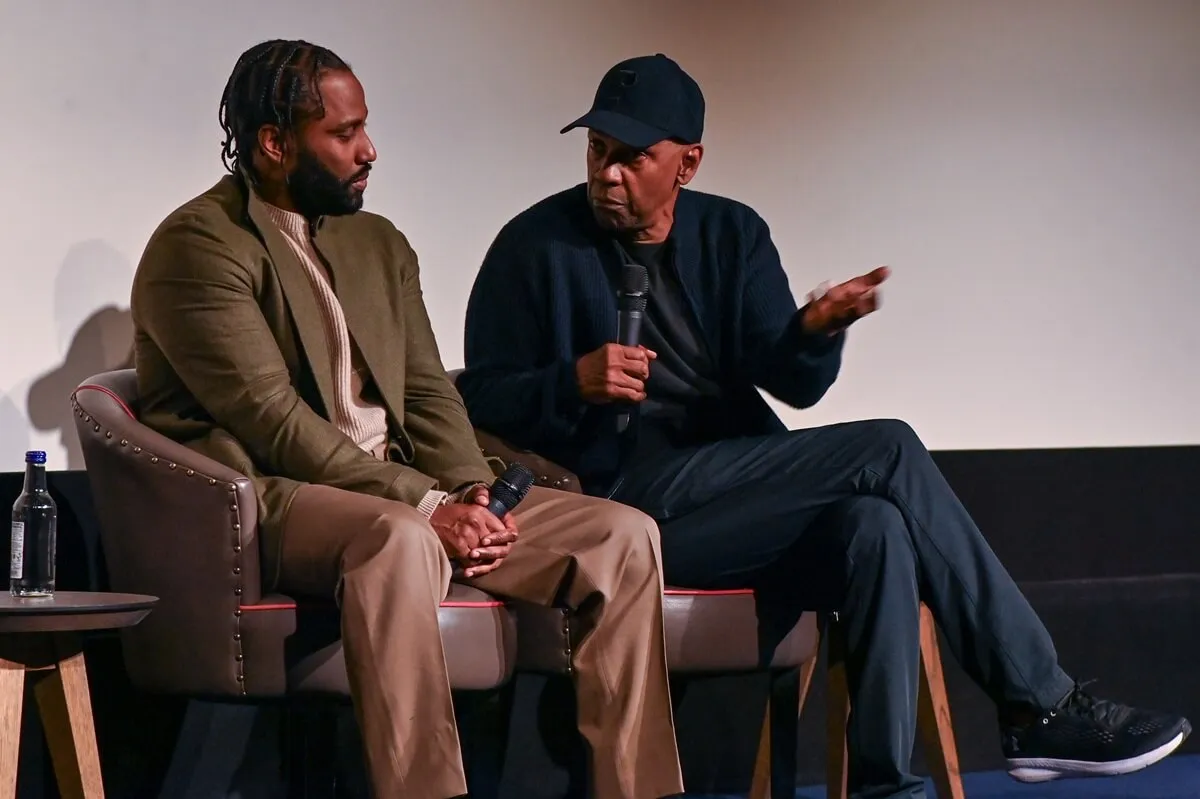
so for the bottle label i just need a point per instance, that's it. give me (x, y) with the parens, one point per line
(16, 564)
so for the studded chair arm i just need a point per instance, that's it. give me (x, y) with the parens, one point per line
(547, 472)
(175, 525)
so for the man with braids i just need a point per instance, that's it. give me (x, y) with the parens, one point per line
(281, 330)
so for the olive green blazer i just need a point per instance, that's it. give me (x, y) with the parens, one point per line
(231, 358)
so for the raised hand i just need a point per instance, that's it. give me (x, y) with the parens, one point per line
(845, 303)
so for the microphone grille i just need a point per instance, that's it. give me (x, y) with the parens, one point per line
(635, 279)
(513, 485)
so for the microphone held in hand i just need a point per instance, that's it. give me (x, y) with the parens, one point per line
(509, 489)
(631, 307)
(631, 304)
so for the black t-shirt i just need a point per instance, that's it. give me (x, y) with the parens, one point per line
(683, 379)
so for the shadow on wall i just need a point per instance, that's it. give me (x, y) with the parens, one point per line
(100, 339)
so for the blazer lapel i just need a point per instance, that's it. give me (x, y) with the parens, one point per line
(363, 295)
(300, 298)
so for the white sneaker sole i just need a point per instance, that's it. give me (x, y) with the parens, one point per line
(1045, 769)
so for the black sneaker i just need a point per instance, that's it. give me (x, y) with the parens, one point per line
(1087, 737)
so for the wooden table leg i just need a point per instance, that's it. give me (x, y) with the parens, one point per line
(66, 711)
(12, 694)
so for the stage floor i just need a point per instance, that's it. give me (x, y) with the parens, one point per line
(1175, 778)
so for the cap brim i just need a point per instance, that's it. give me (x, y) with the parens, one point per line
(624, 129)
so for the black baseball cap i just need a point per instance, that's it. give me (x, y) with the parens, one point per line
(643, 100)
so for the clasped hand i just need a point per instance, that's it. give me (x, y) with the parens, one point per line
(472, 535)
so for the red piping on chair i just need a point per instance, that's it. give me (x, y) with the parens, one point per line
(112, 394)
(494, 603)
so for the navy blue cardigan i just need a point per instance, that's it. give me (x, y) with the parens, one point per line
(546, 295)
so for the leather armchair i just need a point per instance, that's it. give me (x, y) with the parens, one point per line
(184, 528)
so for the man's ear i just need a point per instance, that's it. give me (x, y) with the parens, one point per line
(274, 146)
(690, 163)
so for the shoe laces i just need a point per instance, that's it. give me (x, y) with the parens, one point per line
(1081, 704)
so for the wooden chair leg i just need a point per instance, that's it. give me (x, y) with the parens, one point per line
(12, 695)
(760, 786)
(934, 722)
(933, 715)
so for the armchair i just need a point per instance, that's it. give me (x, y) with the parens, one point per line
(184, 528)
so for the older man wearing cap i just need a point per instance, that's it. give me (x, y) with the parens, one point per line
(851, 517)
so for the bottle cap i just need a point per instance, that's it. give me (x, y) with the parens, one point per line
(35, 456)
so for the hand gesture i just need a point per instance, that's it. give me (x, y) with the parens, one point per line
(845, 303)
(614, 373)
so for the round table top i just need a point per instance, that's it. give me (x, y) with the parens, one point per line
(67, 611)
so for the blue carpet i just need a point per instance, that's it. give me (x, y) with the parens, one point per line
(1176, 777)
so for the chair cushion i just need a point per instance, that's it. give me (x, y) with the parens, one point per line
(302, 640)
(706, 631)
(717, 631)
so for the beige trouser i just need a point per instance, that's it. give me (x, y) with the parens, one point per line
(600, 556)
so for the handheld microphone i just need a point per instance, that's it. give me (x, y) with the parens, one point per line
(631, 307)
(509, 489)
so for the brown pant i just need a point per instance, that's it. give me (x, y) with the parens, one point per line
(388, 568)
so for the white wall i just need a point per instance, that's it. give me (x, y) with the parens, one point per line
(1030, 170)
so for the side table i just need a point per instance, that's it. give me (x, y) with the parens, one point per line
(42, 639)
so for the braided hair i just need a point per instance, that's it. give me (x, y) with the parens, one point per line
(273, 83)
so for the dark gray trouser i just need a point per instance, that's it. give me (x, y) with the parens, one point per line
(857, 518)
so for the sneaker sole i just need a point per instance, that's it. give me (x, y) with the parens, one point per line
(1047, 769)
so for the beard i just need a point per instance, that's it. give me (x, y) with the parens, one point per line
(315, 191)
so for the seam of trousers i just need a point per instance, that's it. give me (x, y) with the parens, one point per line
(897, 497)
(397, 767)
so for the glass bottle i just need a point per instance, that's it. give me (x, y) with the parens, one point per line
(34, 533)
